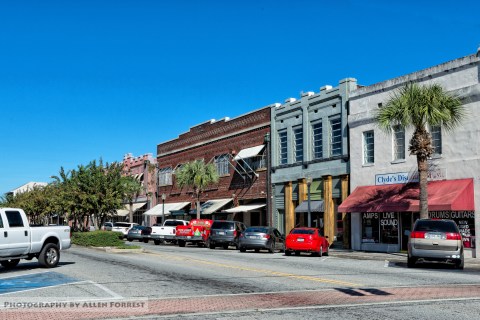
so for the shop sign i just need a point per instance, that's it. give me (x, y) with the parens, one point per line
(391, 178)
(405, 177)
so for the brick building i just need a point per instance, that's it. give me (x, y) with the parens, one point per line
(237, 149)
(142, 168)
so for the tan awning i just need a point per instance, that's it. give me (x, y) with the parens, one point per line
(245, 208)
(211, 206)
(161, 208)
(126, 209)
(249, 152)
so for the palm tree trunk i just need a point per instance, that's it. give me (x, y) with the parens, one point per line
(422, 177)
(130, 212)
(198, 208)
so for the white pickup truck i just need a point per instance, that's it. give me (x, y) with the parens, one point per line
(18, 240)
(167, 231)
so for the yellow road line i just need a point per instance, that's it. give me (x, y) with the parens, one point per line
(264, 271)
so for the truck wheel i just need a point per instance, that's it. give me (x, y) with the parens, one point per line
(288, 252)
(211, 245)
(9, 264)
(49, 256)
(242, 249)
(181, 243)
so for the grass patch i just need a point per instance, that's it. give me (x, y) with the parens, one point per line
(100, 239)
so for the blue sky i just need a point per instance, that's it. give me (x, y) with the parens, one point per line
(84, 80)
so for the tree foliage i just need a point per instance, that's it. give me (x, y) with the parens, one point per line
(94, 191)
(196, 175)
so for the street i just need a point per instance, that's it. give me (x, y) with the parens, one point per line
(170, 281)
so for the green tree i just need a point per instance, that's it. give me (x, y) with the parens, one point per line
(197, 175)
(131, 190)
(419, 107)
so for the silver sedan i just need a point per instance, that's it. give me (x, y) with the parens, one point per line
(259, 238)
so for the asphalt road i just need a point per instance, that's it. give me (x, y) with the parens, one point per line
(170, 282)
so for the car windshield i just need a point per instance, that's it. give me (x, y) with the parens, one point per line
(257, 229)
(226, 225)
(436, 226)
(138, 227)
(303, 231)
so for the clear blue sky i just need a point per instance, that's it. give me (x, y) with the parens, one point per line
(91, 79)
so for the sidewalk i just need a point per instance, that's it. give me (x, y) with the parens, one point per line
(396, 257)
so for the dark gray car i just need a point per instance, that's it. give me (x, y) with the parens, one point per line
(225, 233)
(258, 238)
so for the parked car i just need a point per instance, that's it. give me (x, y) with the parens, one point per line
(257, 238)
(107, 226)
(306, 240)
(123, 228)
(166, 232)
(139, 233)
(435, 240)
(225, 233)
(197, 232)
(20, 240)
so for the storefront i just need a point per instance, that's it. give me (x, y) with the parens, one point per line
(382, 216)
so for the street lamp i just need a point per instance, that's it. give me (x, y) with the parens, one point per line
(309, 216)
(164, 196)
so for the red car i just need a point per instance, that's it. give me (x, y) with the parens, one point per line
(306, 240)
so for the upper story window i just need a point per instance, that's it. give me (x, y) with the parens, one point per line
(317, 132)
(298, 144)
(335, 136)
(222, 163)
(368, 147)
(398, 143)
(165, 177)
(282, 147)
(256, 162)
(436, 133)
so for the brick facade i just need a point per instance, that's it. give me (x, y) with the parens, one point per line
(212, 139)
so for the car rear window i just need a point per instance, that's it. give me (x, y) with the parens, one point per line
(173, 223)
(225, 225)
(303, 231)
(121, 224)
(436, 226)
(253, 229)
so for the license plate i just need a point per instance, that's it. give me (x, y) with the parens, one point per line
(300, 240)
(161, 237)
(253, 237)
(433, 236)
(221, 233)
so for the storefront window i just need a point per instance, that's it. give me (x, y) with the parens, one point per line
(389, 227)
(370, 227)
(465, 221)
(380, 227)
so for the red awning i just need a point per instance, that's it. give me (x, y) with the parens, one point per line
(445, 195)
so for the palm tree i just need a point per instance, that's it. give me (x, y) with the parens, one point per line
(419, 107)
(132, 188)
(197, 175)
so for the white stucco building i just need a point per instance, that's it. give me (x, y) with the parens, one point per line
(382, 203)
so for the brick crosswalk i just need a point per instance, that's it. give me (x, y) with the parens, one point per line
(239, 302)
